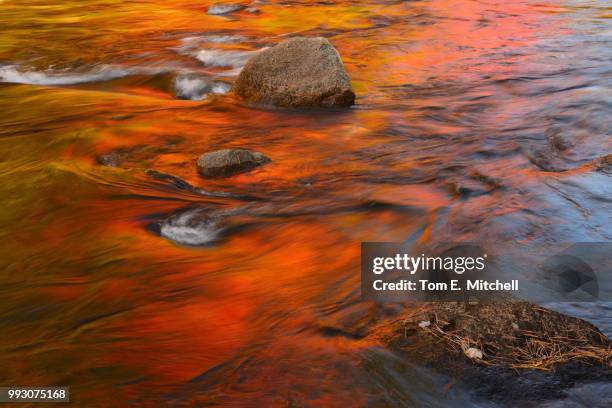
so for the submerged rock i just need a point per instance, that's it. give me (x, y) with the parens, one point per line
(299, 72)
(180, 184)
(560, 140)
(546, 160)
(116, 157)
(112, 159)
(227, 162)
(224, 8)
(195, 87)
(604, 164)
(174, 181)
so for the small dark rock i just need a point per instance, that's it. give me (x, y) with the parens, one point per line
(180, 184)
(175, 181)
(109, 159)
(227, 162)
(122, 117)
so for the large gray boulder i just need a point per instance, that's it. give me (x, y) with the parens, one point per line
(227, 162)
(299, 72)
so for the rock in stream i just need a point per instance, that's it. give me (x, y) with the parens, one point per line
(299, 72)
(227, 162)
(512, 352)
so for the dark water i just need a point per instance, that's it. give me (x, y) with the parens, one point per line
(479, 121)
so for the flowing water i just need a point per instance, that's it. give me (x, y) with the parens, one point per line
(475, 120)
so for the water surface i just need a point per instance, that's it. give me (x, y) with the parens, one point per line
(475, 121)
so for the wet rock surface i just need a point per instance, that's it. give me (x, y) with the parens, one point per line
(228, 162)
(560, 139)
(113, 159)
(299, 72)
(514, 353)
(546, 160)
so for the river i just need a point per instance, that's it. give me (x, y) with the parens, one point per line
(475, 121)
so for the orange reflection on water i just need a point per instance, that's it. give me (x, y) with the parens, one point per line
(268, 315)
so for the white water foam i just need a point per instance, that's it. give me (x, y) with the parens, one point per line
(190, 229)
(220, 9)
(227, 39)
(196, 88)
(14, 74)
(224, 59)
(186, 86)
(220, 88)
